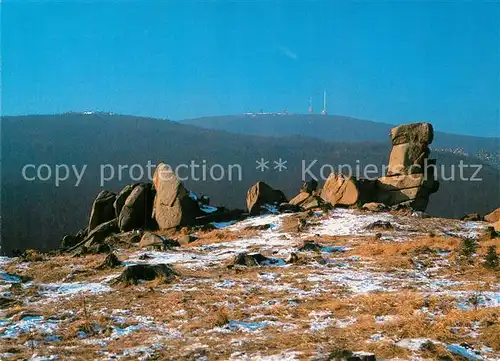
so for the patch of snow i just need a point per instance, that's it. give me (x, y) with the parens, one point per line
(385, 318)
(284, 356)
(321, 320)
(28, 324)
(464, 352)
(342, 323)
(225, 284)
(193, 196)
(268, 276)
(221, 225)
(187, 259)
(8, 278)
(54, 290)
(331, 249)
(259, 221)
(467, 300)
(208, 209)
(35, 357)
(414, 344)
(345, 222)
(242, 326)
(356, 281)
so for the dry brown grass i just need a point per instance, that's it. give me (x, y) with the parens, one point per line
(194, 307)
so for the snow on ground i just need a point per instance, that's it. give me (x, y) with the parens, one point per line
(347, 222)
(54, 290)
(284, 356)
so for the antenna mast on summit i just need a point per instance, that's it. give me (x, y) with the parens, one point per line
(323, 112)
(310, 106)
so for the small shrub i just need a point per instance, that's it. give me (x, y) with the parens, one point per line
(491, 260)
(468, 248)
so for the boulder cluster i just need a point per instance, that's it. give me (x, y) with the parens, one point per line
(166, 205)
(409, 180)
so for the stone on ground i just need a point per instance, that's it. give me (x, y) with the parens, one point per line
(260, 195)
(146, 272)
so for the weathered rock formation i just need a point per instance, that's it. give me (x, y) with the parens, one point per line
(137, 208)
(122, 197)
(410, 178)
(261, 197)
(173, 206)
(102, 209)
(308, 198)
(409, 181)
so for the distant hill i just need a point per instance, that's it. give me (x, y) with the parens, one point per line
(38, 213)
(332, 128)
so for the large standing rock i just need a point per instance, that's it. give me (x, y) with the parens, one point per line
(340, 190)
(412, 133)
(137, 209)
(261, 194)
(102, 209)
(408, 158)
(410, 179)
(493, 216)
(173, 207)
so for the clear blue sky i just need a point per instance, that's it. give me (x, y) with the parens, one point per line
(385, 61)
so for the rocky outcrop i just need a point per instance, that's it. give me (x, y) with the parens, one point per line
(493, 217)
(173, 207)
(137, 208)
(409, 179)
(261, 198)
(102, 209)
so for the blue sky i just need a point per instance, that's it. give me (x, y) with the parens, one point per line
(385, 61)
